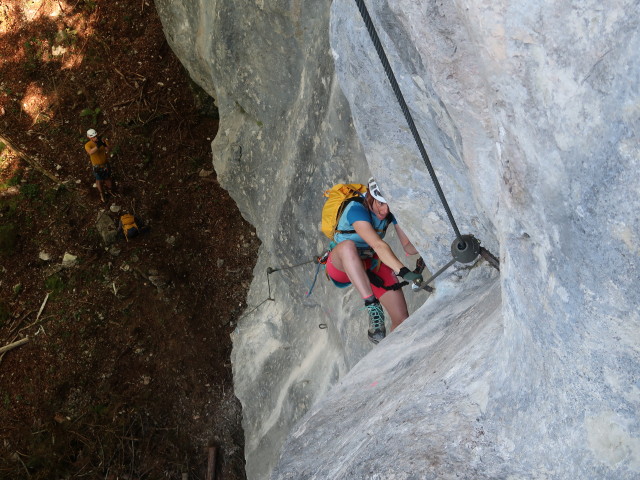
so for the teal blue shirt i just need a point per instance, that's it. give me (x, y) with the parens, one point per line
(354, 212)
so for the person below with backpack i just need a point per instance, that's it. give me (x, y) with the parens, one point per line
(97, 150)
(361, 257)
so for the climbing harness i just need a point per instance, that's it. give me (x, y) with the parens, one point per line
(465, 248)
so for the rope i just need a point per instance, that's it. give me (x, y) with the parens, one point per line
(270, 298)
(315, 277)
(405, 110)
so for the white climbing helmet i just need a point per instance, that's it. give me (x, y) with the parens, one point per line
(374, 190)
(92, 133)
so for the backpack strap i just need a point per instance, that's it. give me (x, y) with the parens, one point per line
(343, 207)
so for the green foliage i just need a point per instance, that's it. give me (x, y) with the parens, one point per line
(17, 289)
(12, 181)
(89, 5)
(67, 37)
(30, 190)
(8, 238)
(52, 195)
(2, 147)
(33, 55)
(15, 180)
(93, 113)
(55, 284)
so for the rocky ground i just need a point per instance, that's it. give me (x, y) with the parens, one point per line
(124, 371)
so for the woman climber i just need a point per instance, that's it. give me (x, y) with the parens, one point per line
(361, 257)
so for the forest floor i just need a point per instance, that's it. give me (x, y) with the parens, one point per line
(124, 369)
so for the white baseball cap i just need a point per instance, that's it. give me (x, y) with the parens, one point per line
(92, 133)
(374, 190)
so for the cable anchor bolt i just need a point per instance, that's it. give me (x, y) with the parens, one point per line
(465, 249)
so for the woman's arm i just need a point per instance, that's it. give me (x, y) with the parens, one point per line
(382, 249)
(406, 243)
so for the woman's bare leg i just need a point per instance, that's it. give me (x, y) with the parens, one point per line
(396, 305)
(345, 258)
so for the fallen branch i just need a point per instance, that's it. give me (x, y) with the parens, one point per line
(42, 306)
(32, 162)
(13, 345)
(125, 102)
(125, 81)
(17, 325)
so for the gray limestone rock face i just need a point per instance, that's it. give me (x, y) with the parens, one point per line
(530, 117)
(286, 136)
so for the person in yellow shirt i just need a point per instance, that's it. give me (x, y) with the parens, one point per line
(97, 150)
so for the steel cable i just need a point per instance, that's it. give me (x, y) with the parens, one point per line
(405, 110)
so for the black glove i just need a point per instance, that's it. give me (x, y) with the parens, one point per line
(410, 276)
(100, 143)
(420, 265)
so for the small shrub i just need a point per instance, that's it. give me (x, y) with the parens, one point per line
(11, 181)
(33, 59)
(93, 113)
(30, 190)
(53, 194)
(55, 284)
(89, 5)
(67, 37)
(15, 180)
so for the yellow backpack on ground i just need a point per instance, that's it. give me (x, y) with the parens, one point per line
(338, 197)
(129, 227)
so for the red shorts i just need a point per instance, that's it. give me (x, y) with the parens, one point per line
(373, 264)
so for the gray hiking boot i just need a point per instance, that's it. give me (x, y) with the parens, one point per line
(376, 322)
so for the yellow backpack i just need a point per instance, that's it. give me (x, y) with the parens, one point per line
(129, 226)
(338, 197)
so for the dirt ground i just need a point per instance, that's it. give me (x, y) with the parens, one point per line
(126, 371)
